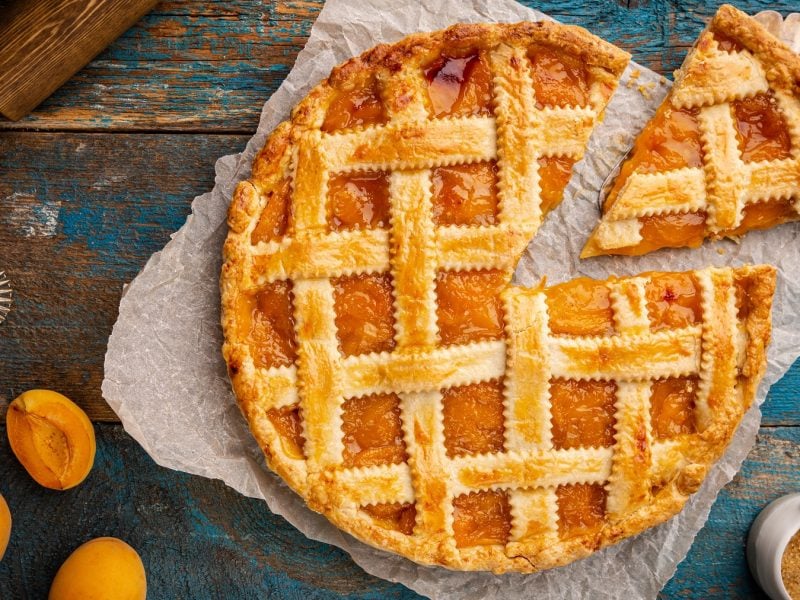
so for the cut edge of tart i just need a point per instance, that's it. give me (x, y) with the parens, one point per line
(721, 155)
(389, 373)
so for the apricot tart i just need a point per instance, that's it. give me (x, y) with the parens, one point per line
(721, 156)
(390, 374)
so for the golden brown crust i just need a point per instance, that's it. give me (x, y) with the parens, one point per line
(782, 66)
(525, 357)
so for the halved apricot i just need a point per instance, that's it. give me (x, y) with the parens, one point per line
(52, 438)
(5, 526)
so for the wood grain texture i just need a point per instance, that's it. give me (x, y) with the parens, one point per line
(199, 539)
(81, 214)
(45, 42)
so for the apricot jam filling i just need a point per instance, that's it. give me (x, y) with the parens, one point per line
(460, 86)
(764, 215)
(763, 135)
(465, 194)
(398, 517)
(469, 306)
(358, 200)
(558, 79)
(473, 418)
(761, 129)
(358, 107)
(581, 508)
(554, 174)
(363, 305)
(274, 219)
(673, 301)
(481, 518)
(727, 43)
(671, 140)
(289, 424)
(582, 413)
(672, 406)
(670, 231)
(580, 307)
(373, 434)
(267, 319)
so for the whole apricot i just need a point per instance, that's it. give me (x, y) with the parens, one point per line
(5, 526)
(101, 569)
(52, 438)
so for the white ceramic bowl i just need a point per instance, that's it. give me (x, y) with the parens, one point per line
(769, 535)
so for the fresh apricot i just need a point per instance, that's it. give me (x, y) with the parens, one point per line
(5, 526)
(101, 569)
(52, 438)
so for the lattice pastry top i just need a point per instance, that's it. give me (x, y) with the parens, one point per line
(389, 373)
(721, 156)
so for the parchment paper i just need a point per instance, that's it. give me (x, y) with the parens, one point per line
(165, 377)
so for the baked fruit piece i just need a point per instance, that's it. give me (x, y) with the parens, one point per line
(721, 156)
(389, 373)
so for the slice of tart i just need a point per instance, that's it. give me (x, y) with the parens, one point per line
(721, 156)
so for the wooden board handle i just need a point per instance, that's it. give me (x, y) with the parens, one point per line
(45, 42)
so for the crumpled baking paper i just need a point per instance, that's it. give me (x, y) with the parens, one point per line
(165, 377)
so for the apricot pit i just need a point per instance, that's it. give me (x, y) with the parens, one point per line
(52, 438)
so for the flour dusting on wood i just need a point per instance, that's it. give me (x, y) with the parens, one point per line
(109, 182)
(31, 216)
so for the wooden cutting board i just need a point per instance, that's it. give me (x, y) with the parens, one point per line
(45, 42)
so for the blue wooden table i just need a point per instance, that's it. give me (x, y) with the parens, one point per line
(95, 181)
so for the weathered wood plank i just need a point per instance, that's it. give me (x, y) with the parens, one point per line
(199, 539)
(81, 215)
(782, 406)
(212, 65)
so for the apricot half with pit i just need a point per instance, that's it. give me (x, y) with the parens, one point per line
(5, 526)
(101, 569)
(52, 438)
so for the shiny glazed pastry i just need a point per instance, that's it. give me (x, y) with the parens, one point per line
(391, 375)
(721, 156)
